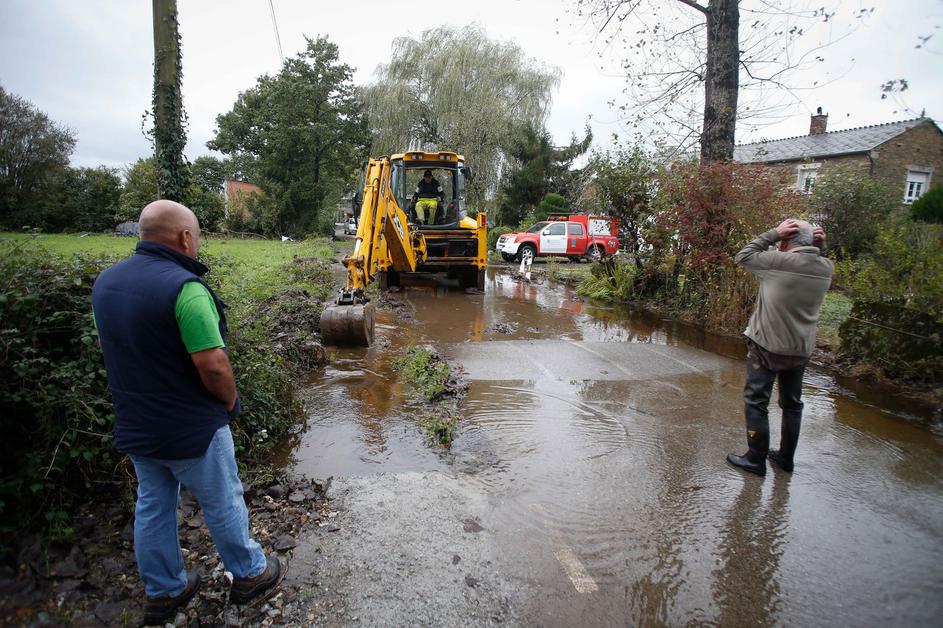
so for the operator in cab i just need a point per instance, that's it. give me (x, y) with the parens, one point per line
(429, 194)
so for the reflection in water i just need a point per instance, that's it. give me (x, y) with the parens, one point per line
(628, 467)
(746, 588)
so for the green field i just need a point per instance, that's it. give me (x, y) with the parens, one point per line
(264, 252)
(253, 269)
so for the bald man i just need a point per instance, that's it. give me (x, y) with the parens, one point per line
(163, 336)
(781, 335)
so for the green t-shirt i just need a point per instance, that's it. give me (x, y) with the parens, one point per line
(197, 318)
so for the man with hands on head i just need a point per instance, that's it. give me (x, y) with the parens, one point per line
(162, 331)
(781, 334)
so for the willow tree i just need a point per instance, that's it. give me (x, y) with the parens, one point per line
(456, 89)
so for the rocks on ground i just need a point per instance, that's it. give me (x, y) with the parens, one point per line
(94, 581)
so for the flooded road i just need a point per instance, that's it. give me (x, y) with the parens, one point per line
(587, 482)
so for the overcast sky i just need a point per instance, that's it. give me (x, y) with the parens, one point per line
(88, 63)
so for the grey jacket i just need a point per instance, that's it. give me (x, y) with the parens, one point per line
(792, 287)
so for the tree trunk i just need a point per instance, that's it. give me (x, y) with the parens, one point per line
(169, 134)
(721, 80)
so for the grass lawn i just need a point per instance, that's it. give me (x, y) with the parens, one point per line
(835, 310)
(252, 269)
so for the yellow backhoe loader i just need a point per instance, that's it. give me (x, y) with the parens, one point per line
(399, 233)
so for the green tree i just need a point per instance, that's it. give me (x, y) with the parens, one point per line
(539, 168)
(457, 89)
(303, 132)
(624, 184)
(207, 205)
(210, 173)
(34, 153)
(551, 203)
(851, 206)
(140, 188)
(205, 192)
(91, 198)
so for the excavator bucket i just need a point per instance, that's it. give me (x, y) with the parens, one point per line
(348, 325)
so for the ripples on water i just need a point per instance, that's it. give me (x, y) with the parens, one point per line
(630, 474)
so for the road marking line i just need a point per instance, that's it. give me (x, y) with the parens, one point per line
(606, 360)
(575, 571)
(674, 359)
(581, 580)
(543, 369)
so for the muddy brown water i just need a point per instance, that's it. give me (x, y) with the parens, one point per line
(598, 435)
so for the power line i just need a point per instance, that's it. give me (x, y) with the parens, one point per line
(278, 39)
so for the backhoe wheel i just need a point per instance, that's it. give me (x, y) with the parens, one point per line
(481, 279)
(527, 252)
(348, 325)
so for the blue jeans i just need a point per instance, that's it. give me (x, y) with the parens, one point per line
(213, 479)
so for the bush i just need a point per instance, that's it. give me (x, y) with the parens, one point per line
(495, 233)
(55, 407)
(423, 370)
(929, 207)
(851, 207)
(551, 204)
(905, 343)
(905, 269)
(610, 281)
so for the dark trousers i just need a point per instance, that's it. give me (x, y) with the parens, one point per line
(756, 395)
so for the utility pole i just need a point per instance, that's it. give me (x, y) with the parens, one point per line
(170, 136)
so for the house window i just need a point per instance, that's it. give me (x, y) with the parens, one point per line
(916, 185)
(807, 175)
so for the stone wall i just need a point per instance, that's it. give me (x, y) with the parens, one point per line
(920, 147)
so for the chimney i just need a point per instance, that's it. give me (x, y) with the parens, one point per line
(819, 123)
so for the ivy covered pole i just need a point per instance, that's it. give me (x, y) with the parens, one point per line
(169, 134)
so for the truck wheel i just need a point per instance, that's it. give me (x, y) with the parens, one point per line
(528, 251)
(507, 257)
(595, 253)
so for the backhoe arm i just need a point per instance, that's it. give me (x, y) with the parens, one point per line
(383, 227)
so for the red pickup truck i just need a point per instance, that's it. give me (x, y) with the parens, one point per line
(573, 236)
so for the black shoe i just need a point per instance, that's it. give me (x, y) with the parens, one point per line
(744, 462)
(245, 590)
(777, 458)
(157, 610)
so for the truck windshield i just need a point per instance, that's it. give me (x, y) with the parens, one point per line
(538, 227)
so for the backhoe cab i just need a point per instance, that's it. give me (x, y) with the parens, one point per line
(407, 224)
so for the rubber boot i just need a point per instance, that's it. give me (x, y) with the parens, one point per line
(754, 460)
(783, 457)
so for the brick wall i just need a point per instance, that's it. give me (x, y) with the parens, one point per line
(238, 197)
(921, 146)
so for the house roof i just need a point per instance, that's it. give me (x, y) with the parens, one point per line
(858, 140)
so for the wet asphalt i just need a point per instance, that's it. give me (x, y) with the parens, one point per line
(587, 482)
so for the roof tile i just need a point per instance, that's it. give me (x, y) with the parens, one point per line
(858, 140)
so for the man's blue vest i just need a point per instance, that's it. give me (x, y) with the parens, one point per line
(162, 408)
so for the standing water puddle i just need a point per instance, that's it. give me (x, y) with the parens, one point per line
(599, 437)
